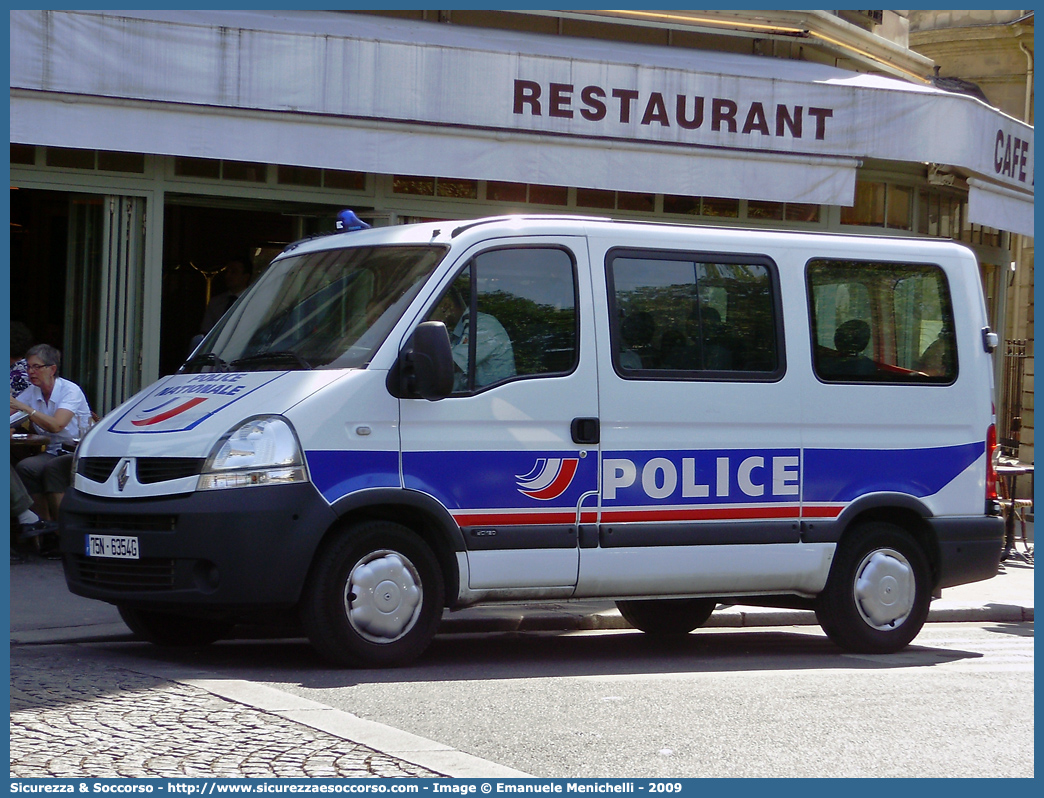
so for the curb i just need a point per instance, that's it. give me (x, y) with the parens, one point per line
(732, 618)
(536, 620)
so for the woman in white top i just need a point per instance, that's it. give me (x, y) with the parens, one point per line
(58, 409)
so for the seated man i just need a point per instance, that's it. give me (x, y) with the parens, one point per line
(494, 356)
(850, 340)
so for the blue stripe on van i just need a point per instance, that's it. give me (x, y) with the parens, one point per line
(482, 480)
(842, 475)
(337, 474)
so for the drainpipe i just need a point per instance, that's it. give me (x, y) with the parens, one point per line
(1020, 242)
(1029, 81)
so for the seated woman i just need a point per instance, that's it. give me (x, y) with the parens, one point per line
(56, 408)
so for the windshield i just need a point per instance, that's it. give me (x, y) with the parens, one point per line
(329, 309)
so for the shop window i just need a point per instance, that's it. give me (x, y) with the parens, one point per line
(23, 154)
(417, 186)
(121, 162)
(924, 203)
(457, 189)
(344, 181)
(244, 171)
(869, 208)
(549, 195)
(689, 206)
(800, 212)
(679, 317)
(595, 198)
(70, 159)
(197, 167)
(881, 322)
(505, 192)
(756, 209)
(299, 176)
(900, 207)
(720, 207)
(627, 201)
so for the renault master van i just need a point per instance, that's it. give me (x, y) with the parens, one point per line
(395, 422)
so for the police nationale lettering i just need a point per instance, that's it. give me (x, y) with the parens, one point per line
(207, 384)
(688, 112)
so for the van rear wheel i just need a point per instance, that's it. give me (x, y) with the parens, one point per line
(877, 595)
(172, 630)
(667, 616)
(374, 598)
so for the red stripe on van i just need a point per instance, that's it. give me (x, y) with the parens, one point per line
(701, 514)
(514, 519)
(823, 512)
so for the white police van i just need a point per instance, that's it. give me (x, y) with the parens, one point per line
(395, 421)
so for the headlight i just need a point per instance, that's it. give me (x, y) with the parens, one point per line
(260, 451)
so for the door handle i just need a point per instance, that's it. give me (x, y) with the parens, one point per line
(585, 430)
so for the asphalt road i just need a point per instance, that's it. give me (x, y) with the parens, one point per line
(779, 702)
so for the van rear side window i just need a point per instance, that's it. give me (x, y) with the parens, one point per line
(881, 322)
(693, 316)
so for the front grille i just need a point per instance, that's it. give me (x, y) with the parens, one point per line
(132, 523)
(162, 469)
(146, 574)
(96, 469)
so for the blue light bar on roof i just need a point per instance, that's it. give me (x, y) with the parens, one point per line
(347, 221)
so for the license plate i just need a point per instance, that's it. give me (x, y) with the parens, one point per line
(112, 546)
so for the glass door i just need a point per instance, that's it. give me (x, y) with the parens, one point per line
(105, 284)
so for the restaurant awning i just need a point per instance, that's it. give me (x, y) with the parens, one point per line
(347, 91)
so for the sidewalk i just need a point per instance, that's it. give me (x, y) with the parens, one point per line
(44, 611)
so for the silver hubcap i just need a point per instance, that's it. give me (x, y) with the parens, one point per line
(383, 596)
(885, 589)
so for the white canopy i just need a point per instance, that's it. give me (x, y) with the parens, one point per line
(346, 91)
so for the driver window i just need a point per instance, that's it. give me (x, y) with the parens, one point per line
(510, 313)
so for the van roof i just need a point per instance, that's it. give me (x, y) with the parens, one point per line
(448, 232)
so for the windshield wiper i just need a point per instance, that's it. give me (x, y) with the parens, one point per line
(282, 356)
(207, 359)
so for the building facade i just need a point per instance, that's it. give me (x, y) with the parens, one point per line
(993, 50)
(150, 148)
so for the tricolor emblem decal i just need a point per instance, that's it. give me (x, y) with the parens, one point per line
(549, 478)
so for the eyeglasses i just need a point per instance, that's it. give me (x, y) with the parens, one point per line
(38, 366)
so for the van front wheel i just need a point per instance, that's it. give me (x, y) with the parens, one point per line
(375, 597)
(876, 598)
(667, 616)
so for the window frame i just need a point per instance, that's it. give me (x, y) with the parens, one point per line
(875, 311)
(695, 257)
(469, 263)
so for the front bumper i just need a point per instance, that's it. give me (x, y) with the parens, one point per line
(244, 547)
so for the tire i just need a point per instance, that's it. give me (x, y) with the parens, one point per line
(171, 630)
(664, 617)
(374, 597)
(877, 595)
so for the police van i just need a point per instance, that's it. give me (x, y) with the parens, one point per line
(395, 422)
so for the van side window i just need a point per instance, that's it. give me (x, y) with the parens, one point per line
(693, 316)
(521, 303)
(881, 322)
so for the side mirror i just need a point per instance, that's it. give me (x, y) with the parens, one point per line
(990, 340)
(426, 363)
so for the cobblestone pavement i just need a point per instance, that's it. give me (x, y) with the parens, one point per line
(74, 718)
